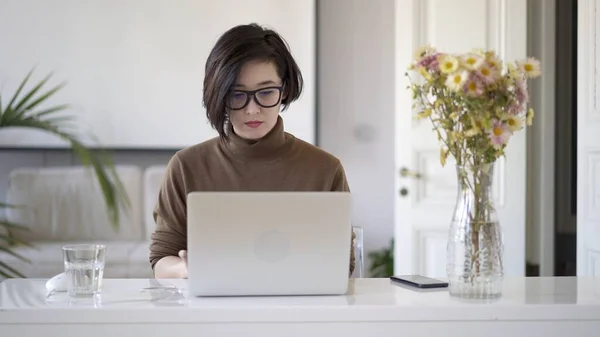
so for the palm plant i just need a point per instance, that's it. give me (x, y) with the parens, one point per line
(25, 111)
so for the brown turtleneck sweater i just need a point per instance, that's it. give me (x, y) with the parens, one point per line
(277, 162)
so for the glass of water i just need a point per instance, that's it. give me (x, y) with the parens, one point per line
(359, 260)
(84, 268)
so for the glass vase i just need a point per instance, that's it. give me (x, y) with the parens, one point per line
(475, 243)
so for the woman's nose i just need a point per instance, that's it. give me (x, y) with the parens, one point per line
(252, 107)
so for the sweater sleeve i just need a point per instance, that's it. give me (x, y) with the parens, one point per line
(340, 183)
(170, 234)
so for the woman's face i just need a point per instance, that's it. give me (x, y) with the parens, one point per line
(255, 104)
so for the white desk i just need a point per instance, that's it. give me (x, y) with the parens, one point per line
(374, 307)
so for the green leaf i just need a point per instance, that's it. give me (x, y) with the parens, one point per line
(15, 241)
(5, 205)
(12, 225)
(30, 94)
(40, 99)
(8, 271)
(16, 95)
(51, 111)
(107, 177)
(382, 261)
(11, 252)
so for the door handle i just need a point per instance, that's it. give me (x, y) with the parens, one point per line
(406, 173)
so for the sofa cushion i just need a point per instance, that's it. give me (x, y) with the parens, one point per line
(153, 179)
(66, 204)
(46, 260)
(139, 263)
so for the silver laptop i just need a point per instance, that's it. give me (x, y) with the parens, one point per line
(268, 243)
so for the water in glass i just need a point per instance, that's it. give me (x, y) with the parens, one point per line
(84, 267)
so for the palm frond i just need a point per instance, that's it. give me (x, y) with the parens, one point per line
(11, 252)
(7, 112)
(11, 225)
(25, 112)
(20, 112)
(112, 188)
(7, 271)
(5, 205)
(8, 241)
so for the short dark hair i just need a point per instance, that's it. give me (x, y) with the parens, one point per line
(232, 50)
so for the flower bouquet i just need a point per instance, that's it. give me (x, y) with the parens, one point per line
(476, 103)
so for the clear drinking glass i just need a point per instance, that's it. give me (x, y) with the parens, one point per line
(84, 268)
(359, 264)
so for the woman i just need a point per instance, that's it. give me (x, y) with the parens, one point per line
(250, 76)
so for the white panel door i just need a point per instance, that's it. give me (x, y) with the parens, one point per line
(426, 196)
(588, 139)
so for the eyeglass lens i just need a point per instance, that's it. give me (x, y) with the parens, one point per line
(267, 97)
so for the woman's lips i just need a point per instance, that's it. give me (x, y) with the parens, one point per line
(254, 124)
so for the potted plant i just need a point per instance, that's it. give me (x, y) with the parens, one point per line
(382, 261)
(23, 110)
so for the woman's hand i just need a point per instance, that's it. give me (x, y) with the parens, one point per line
(183, 256)
(172, 266)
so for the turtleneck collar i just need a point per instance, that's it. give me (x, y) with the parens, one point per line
(268, 147)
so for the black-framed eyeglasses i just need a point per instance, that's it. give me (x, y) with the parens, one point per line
(265, 97)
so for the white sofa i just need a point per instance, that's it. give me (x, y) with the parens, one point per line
(64, 205)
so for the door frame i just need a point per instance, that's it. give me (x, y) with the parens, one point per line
(541, 159)
(587, 109)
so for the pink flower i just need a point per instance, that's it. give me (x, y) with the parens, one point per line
(488, 75)
(521, 92)
(474, 86)
(499, 134)
(430, 62)
(521, 98)
(515, 108)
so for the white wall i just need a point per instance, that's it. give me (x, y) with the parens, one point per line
(356, 105)
(134, 68)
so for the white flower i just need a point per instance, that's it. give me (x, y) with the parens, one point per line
(472, 61)
(514, 123)
(456, 81)
(530, 67)
(448, 64)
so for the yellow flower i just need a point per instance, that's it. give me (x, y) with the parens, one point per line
(448, 64)
(530, 117)
(472, 132)
(425, 113)
(443, 156)
(530, 67)
(513, 71)
(425, 74)
(456, 81)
